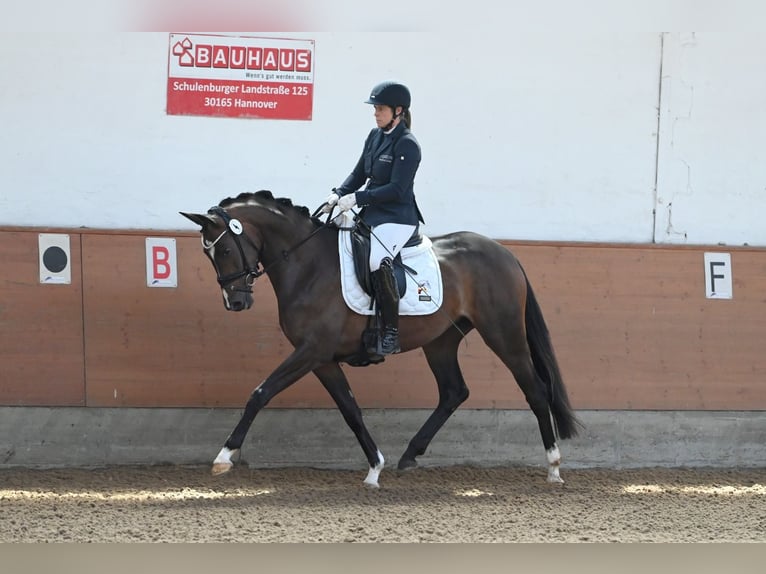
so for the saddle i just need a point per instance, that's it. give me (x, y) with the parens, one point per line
(424, 297)
(360, 249)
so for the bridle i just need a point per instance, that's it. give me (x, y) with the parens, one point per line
(249, 272)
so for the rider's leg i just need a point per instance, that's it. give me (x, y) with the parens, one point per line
(387, 302)
(386, 241)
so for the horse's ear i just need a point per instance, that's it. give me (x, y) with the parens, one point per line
(202, 220)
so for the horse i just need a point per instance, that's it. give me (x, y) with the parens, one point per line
(255, 233)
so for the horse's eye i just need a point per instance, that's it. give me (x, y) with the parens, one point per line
(226, 251)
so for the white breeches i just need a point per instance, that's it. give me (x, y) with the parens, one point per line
(387, 240)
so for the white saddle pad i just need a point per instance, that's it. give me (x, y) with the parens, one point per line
(424, 293)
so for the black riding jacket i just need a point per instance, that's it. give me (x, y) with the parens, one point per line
(388, 164)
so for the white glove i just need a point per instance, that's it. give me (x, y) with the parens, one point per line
(347, 202)
(331, 200)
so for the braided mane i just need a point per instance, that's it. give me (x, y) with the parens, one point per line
(284, 204)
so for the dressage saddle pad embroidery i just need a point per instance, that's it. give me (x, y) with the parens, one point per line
(427, 282)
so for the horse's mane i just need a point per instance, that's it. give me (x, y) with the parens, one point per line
(284, 204)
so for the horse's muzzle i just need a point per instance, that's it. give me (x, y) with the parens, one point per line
(239, 303)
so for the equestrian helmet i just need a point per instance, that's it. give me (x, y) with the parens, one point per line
(390, 94)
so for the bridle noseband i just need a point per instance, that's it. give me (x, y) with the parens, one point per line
(250, 273)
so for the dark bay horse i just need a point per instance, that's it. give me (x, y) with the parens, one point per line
(485, 288)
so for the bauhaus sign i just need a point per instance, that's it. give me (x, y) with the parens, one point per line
(244, 77)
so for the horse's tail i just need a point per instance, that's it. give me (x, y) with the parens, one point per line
(547, 367)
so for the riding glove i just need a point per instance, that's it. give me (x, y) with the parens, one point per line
(331, 200)
(347, 202)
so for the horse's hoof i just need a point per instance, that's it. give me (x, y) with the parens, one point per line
(371, 485)
(220, 468)
(407, 464)
(553, 475)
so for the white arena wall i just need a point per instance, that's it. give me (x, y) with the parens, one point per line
(619, 136)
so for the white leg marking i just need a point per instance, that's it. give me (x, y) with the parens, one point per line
(374, 473)
(222, 462)
(554, 461)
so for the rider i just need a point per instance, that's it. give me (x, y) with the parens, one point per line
(389, 161)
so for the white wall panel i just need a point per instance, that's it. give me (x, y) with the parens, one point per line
(525, 134)
(712, 168)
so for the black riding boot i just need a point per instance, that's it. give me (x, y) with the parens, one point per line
(387, 301)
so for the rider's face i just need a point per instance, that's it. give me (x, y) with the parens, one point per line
(383, 115)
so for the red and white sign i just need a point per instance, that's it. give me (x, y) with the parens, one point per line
(240, 77)
(161, 269)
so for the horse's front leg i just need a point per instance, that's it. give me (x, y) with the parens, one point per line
(334, 381)
(299, 363)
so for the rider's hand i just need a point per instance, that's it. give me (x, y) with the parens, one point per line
(331, 200)
(347, 202)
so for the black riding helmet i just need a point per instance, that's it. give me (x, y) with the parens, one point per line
(390, 94)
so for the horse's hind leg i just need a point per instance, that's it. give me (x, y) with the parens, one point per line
(334, 380)
(512, 348)
(441, 355)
